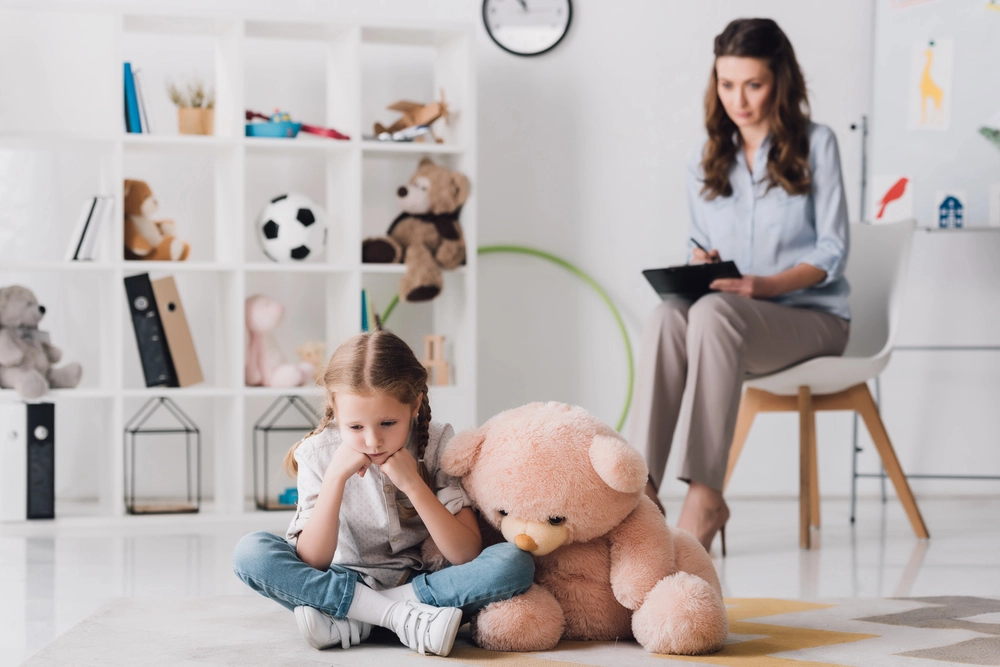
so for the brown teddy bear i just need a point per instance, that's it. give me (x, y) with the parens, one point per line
(146, 238)
(26, 356)
(426, 235)
(562, 485)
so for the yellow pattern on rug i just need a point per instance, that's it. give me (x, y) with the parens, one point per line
(780, 638)
(751, 653)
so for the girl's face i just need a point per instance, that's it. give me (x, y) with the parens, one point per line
(376, 424)
(745, 88)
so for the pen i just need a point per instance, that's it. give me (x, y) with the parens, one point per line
(704, 250)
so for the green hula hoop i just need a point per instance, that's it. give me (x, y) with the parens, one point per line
(523, 250)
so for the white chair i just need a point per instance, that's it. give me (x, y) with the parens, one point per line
(876, 269)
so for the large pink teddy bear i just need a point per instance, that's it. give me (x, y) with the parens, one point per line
(561, 484)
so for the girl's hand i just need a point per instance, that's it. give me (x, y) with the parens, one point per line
(401, 469)
(347, 462)
(752, 287)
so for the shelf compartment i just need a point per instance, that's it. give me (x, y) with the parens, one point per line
(190, 189)
(160, 458)
(329, 179)
(208, 300)
(203, 48)
(382, 175)
(416, 65)
(324, 59)
(39, 227)
(76, 318)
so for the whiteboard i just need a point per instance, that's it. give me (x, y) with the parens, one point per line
(954, 157)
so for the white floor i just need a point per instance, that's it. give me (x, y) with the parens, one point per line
(51, 577)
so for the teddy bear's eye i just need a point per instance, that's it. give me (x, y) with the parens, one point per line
(502, 512)
(556, 520)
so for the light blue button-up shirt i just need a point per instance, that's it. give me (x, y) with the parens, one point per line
(768, 231)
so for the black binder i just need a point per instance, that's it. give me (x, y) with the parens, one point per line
(41, 461)
(689, 281)
(154, 353)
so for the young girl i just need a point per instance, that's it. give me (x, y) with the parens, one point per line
(370, 494)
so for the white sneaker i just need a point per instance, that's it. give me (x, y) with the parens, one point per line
(428, 629)
(323, 631)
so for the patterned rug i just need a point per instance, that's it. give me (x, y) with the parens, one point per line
(242, 631)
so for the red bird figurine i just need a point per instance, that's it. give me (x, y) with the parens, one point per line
(892, 194)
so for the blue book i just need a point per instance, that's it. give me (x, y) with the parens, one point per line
(364, 310)
(132, 121)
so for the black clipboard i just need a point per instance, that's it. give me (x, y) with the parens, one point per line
(689, 281)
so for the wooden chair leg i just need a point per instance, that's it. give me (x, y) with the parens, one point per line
(805, 468)
(866, 407)
(749, 406)
(813, 471)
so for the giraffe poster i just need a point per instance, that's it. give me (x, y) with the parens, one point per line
(930, 84)
(893, 198)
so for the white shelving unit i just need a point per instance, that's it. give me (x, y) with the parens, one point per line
(352, 69)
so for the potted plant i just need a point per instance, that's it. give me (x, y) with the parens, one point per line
(195, 107)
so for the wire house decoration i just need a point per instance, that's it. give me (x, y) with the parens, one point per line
(192, 436)
(262, 429)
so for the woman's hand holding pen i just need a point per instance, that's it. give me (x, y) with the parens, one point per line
(700, 256)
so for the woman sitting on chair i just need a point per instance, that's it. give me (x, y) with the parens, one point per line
(764, 190)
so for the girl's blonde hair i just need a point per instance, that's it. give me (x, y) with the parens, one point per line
(376, 362)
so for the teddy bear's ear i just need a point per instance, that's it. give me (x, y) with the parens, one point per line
(620, 466)
(461, 452)
(424, 161)
(460, 187)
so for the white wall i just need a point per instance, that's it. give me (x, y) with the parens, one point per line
(582, 153)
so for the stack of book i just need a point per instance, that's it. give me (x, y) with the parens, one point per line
(136, 120)
(94, 216)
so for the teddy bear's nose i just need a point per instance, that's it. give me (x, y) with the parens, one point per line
(525, 542)
(402, 191)
(41, 309)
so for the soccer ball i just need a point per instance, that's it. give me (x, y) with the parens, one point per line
(292, 228)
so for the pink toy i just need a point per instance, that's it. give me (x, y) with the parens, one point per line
(265, 365)
(561, 484)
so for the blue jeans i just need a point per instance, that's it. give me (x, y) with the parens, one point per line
(269, 565)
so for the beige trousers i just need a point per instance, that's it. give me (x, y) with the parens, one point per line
(703, 351)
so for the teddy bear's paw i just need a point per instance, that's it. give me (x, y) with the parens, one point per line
(286, 375)
(532, 621)
(682, 615)
(179, 250)
(380, 251)
(31, 385)
(66, 377)
(423, 293)
(450, 255)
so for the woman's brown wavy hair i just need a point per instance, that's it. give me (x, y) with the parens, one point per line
(377, 362)
(788, 116)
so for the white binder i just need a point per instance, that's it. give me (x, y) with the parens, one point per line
(13, 461)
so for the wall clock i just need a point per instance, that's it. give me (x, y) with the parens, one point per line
(527, 27)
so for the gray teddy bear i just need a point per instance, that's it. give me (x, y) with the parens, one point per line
(26, 356)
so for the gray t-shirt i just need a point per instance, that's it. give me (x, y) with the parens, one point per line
(374, 540)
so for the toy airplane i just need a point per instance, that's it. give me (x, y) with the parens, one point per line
(414, 115)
